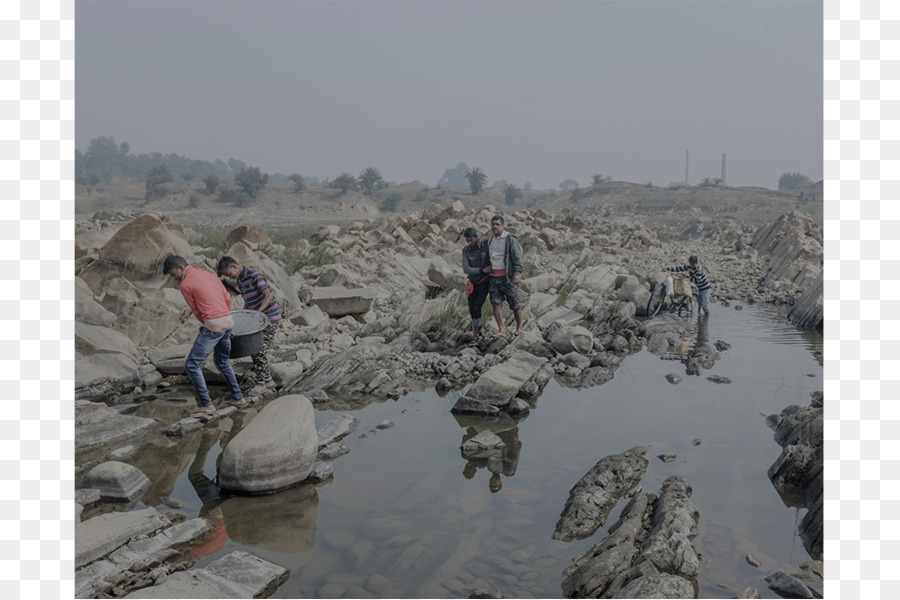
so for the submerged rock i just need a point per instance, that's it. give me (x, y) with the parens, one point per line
(594, 496)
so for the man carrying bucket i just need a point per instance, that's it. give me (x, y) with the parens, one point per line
(211, 304)
(257, 296)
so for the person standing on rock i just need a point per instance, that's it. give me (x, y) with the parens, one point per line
(698, 277)
(506, 272)
(257, 295)
(210, 302)
(474, 260)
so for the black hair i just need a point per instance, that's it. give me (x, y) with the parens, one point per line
(224, 263)
(693, 260)
(497, 218)
(173, 261)
(470, 233)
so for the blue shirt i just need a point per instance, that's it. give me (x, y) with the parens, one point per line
(251, 284)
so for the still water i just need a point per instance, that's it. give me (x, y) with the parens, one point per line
(407, 516)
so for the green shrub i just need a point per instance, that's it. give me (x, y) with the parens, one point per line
(194, 201)
(391, 201)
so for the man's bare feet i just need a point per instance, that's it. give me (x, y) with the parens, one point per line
(500, 334)
(518, 332)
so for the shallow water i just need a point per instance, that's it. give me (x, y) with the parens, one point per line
(407, 516)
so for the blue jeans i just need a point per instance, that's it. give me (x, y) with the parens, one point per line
(704, 300)
(218, 344)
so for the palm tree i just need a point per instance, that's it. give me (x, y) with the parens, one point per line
(370, 180)
(344, 182)
(598, 178)
(477, 179)
(511, 192)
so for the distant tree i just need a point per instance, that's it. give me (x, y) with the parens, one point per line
(236, 165)
(344, 182)
(251, 181)
(211, 182)
(527, 187)
(568, 184)
(477, 179)
(710, 182)
(454, 178)
(391, 201)
(188, 176)
(792, 181)
(155, 179)
(500, 184)
(369, 180)
(299, 184)
(194, 201)
(598, 178)
(421, 195)
(511, 193)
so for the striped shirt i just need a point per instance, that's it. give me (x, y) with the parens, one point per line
(251, 285)
(698, 276)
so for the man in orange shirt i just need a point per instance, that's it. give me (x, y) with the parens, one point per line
(211, 304)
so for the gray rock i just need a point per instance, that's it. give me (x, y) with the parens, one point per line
(236, 575)
(332, 451)
(320, 472)
(276, 450)
(749, 592)
(447, 276)
(674, 378)
(787, 586)
(86, 496)
(657, 585)
(502, 382)
(340, 301)
(718, 379)
(336, 429)
(309, 317)
(667, 458)
(753, 561)
(385, 425)
(482, 444)
(573, 339)
(116, 481)
(575, 359)
(101, 535)
(594, 496)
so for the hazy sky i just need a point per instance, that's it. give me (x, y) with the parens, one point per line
(531, 92)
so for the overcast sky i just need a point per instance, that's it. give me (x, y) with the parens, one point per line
(531, 92)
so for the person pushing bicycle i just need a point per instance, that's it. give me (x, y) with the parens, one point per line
(698, 277)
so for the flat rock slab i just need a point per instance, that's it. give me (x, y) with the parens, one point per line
(482, 444)
(237, 575)
(338, 301)
(96, 369)
(336, 429)
(500, 384)
(97, 537)
(97, 424)
(116, 481)
(594, 495)
(276, 450)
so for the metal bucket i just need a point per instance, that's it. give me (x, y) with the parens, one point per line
(247, 335)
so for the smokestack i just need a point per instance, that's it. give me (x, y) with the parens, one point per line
(686, 156)
(723, 169)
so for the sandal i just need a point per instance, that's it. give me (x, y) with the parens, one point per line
(257, 390)
(241, 403)
(203, 411)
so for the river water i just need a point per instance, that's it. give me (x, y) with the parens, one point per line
(407, 516)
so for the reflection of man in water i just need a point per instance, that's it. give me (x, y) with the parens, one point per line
(703, 356)
(208, 492)
(502, 463)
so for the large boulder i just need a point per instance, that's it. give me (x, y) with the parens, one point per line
(97, 424)
(250, 235)
(139, 248)
(275, 451)
(573, 339)
(87, 309)
(445, 275)
(101, 535)
(94, 339)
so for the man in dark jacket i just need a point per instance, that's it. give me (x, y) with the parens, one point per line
(506, 272)
(474, 260)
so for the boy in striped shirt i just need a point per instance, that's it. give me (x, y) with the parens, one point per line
(257, 296)
(698, 277)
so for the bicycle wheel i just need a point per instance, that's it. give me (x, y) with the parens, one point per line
(656, 299)
(677, 305)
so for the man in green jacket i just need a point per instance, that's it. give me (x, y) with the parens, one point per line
(506, 272)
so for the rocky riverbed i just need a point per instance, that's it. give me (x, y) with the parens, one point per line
(375, 310)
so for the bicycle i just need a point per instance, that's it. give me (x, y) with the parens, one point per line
(678, 291)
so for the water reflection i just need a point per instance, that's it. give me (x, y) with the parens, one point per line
(283, 522)
(703, 355)
(501, 462)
